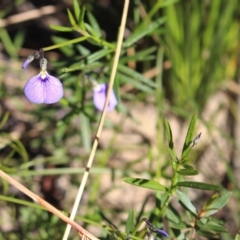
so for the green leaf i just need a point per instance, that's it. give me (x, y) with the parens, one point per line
(142, 31)
(137, 76)
(98, 55)
(179, 226)
(237, 237)
(76, 9)
(127, 79)
(85, 132)
(208, 235)
(91, 30)
(221, 201)
(186, 202)
(142, 55)
(211, 226)
(169, 134)
(173, 216)
(189, 137)
(130, 222)
(61, 28)
(4, 119)
(214, 204)
(19, 38)
(145, 183)
(81, 19)
(94, 24)
(187, 161)
(71, 18)
(187, 172)
(199, 185)
(172, 154)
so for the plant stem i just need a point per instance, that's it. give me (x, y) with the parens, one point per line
(73, 41)
(100, 126)
(171, 190)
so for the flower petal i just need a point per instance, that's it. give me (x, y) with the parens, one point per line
(161, 232)
(53, 90)
(34, 90)
(99, 97)
(47, 89)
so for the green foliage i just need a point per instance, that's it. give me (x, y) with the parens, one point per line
(189, 48)
(198, 36)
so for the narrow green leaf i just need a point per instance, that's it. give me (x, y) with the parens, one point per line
(189, 167)
(71, 18)
(85, 132)
(187, 172)
(189, 137)
(208, 235)
(127, 79)
(237, 237)
(172, 154)
(179, 226)
(211, 226)
(145, 183)
(91, 30)
(221, 201)
(142, 31)
(130, 222)
(61, 28)
(76, 9)
(98, 55)
(81, 19)
(4, 119)
(185, 201)
(214, 204)
(173, 216)
(169, 133)
(136, 75)
(199, 185)
(94, 24)
(140, 55)
(187, 161)
(19, 38)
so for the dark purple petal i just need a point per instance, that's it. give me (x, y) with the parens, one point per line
(99, 97)
(43, 88)
(161, 232)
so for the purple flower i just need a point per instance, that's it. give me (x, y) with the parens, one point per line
(43, 88)
(99, 97)
(28, 60)
(31, 58)
(161, 232)
(152, 228)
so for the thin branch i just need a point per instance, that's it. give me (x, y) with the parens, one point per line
(29, 15)
(46, 205)
(100, 126)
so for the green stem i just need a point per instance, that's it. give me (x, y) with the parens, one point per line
(73, 41)
(171, 191)
(80, 39)
(95, 39)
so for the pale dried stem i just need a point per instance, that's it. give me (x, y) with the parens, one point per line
(100, 126)
(29, 15)
(46, 205)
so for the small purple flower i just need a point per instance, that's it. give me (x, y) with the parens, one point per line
(28, 60)
(161, 232)
(99, 97)
(43, 88)
(152, 228)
